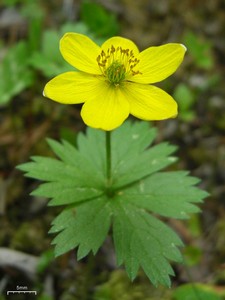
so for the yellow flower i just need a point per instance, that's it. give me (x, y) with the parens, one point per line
(114, 80)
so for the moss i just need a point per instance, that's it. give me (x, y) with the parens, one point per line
(29, 238)
(120, 287)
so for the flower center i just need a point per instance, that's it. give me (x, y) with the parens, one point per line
(117, 64)
(116, 72)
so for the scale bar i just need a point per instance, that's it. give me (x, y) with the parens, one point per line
(21, 292)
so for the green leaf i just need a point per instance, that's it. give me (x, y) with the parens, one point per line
(63, 193)
(14, 72)
(196, 292)
(45, 260)
(170, 194)
(138, 138)
(49, 60)
(74, 168)
(85, 227)
(136, 167)
(100, 21)
(132, 160)
(71, 180)
(138, 194)
(141, 240)
(185, 98)
(200, 50)
(92, 146)
(34, 13)
(10, 2)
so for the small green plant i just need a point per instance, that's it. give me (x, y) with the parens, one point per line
(139, 192)
(48, 59)
(196, 292)
(11, 2)
(34, 14)
(186, 99)
(200, 50)
(98, 19)
(113, 178)
(14, 72)
(41, 51)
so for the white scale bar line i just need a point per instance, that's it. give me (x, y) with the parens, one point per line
(18, 292)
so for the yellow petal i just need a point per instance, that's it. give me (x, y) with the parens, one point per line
(148, 102)
(72, 87)
(106, 109)
(157, 63)
(118, 41)
(81, 52)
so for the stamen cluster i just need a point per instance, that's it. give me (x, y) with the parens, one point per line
(117, 64)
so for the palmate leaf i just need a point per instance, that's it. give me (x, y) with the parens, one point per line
(139, 192)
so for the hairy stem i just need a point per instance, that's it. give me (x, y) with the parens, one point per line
(108, 157)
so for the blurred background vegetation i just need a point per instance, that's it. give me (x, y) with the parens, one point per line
(29, 56)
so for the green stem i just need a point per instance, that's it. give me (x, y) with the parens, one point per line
(108, 157)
